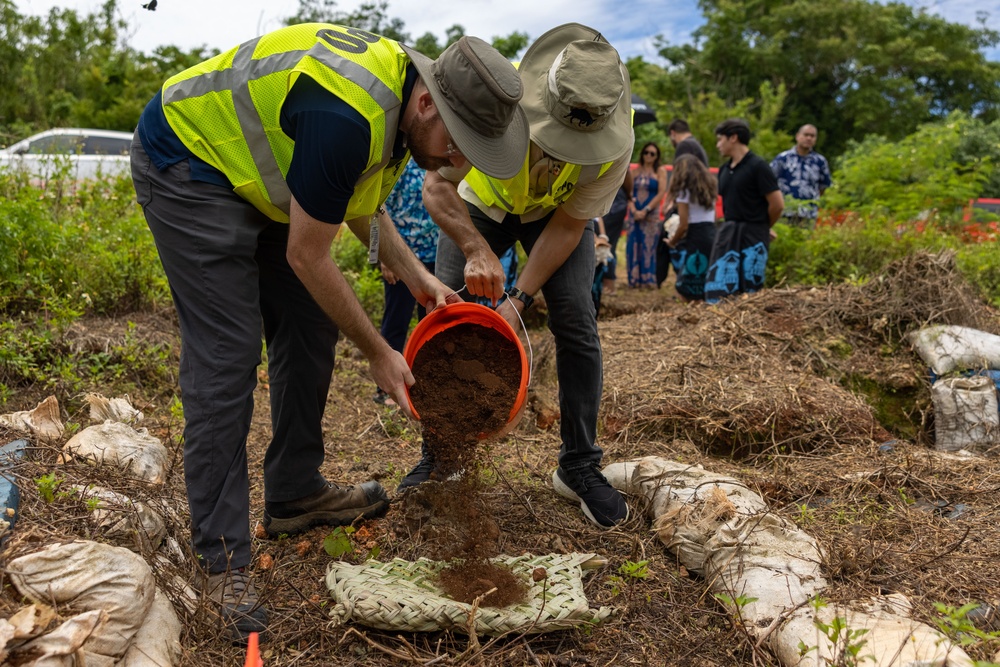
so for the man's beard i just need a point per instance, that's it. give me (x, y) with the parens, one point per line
(417, 141)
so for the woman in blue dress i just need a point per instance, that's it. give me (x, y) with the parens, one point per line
(649, 187)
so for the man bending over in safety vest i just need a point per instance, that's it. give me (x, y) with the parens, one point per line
(245, 165)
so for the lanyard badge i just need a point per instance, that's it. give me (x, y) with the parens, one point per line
(373, 235)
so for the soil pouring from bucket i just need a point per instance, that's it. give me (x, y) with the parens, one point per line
(467, 381)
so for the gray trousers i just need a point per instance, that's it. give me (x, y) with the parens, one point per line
(572, 320)
(225, 262)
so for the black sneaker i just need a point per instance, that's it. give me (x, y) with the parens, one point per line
(237, 601)
(602, 503)
(331, 506)
(420, 473)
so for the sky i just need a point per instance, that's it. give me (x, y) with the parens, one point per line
(630, 26)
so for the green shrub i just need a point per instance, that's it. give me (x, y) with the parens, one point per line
(75, 250)
(855, 250)
(903, 179)
(980, 264)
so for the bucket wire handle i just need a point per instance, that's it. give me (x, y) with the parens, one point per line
(531, 353)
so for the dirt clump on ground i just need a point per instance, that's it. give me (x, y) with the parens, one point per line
(497, 585)
(467, 381)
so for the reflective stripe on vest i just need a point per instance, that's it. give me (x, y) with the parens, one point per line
(514, 196)
(271, 194)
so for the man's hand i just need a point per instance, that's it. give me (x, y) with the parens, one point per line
(509, 309)
(431, 293)
(387, 273)
(484, 275)
(390, 372)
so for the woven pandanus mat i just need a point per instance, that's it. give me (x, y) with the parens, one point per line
(403, 595)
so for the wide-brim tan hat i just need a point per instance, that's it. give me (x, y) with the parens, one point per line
(577, 96)
(476, 90)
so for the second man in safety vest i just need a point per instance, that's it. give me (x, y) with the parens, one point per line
(577, 100)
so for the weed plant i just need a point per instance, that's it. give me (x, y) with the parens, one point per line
(71, 249)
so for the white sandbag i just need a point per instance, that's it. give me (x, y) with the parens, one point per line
(26, 624)
(115, 409)
(158, 642)
(946, 348)
(88, 575)
(43, 422)
(119, 515)
(892, 637)
(720, 529)
(63, 646)
(135, 452)
(965, 414)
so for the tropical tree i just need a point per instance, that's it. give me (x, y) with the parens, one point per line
(71, 69)
(851, 67)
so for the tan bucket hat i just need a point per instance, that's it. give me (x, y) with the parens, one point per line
(476, 90)
(577, 96)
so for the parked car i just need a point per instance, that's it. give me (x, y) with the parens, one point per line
(87, 152)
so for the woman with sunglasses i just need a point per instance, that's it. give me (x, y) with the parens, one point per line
(649, 187)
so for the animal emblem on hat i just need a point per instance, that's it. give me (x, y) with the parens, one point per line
(580, 116)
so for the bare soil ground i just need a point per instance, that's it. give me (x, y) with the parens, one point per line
(806, 395)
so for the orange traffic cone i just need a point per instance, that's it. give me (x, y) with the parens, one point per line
(253, 652)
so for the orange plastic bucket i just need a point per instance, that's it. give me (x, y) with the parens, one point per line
(453, 314)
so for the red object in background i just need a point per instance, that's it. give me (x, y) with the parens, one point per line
(981, 232)
(253, 652)
(986, 204)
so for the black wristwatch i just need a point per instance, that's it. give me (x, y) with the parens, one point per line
(521, 296)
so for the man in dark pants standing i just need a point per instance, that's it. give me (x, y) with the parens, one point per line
(751, 203)
(581, 142)
(245, 166)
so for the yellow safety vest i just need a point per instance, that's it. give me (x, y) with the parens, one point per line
(515, 195)
(226, 109)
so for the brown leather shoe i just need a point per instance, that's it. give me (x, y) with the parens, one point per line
(236, 597)
(331, 506)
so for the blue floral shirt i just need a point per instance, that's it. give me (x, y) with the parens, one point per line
(405, 206)
(801, 177)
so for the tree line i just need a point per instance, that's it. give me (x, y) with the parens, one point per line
(853, 68)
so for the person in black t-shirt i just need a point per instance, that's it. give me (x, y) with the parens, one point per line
(751, 203)
(684, 142)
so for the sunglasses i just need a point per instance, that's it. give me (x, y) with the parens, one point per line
(653, 153)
